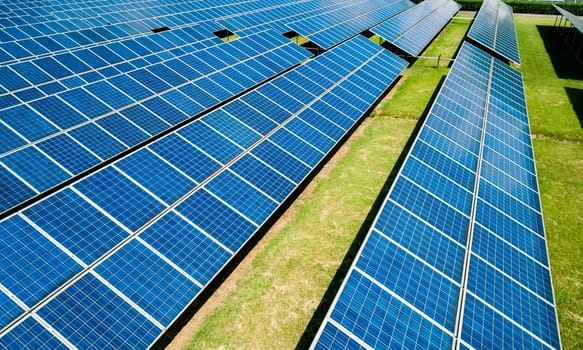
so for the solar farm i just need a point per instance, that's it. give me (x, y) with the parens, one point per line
(146, 147)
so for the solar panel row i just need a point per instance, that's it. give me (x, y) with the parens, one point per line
(412, 30)
(113, 259)
(457, 254)
(71, 131)
(329, 28)
(493, 28)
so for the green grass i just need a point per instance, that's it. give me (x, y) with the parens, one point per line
(558, 147)
(559, 167)
(276, 298)
(550, 109)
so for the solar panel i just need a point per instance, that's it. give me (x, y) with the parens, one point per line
(576, 21)
(114, 258)
(457, 254)
(413, 29)
(37, 29)
(493, 28)
(74, 130)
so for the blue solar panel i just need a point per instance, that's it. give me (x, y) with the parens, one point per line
(97, 140)
(121, 197)
(34, 167)
(123, 129)
(155, 285)
(378, 318)
(230, 127)
(493, 28)
(242, 196)
(77, 225)
(217, 219)
(427, 243)
(416, 282)
(27, 123)
(156, 175)
(459, 240)
(263, 176)
(69, 153)
(413, 29)
(88, 302)
(297, 147)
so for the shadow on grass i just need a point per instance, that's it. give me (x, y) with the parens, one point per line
(564, 62)
(576, 98)
(320, 313)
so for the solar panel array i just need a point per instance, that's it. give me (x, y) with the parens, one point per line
(493, 28)
(139, 153)
(413, 29)
(112, 259)
(457, 255)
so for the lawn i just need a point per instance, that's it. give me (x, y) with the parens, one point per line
(554, 91)
(278, 295)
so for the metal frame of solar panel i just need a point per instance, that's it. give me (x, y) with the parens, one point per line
(413, 29)
(574, 40)
(457, 256)
(329, 28)
(114, 258)
(493, 28)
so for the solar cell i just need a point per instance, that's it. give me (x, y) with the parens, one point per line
(455, 247)
(140, 272)
(88, 302)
